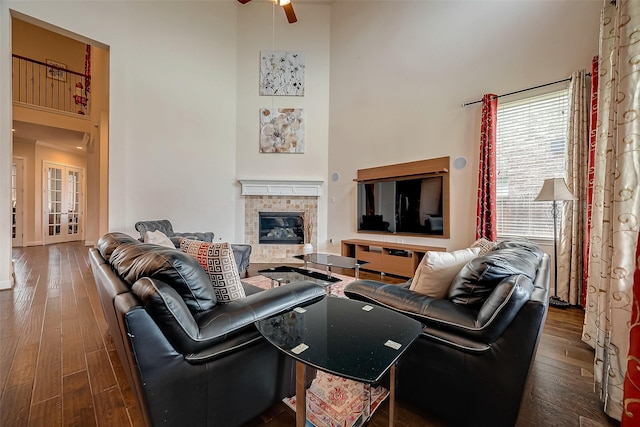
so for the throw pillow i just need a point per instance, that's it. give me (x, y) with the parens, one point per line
(218, 261)
(437, 269)
(484, 245)
(158, 238)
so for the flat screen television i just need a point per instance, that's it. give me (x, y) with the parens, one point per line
(402, 205)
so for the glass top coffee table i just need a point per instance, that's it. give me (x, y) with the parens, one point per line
(284, 275)
(343, 337)
(329, 261)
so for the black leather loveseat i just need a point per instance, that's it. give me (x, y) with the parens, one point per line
(470, 365)
(190, 360)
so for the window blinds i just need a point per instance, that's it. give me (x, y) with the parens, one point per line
(530, 147)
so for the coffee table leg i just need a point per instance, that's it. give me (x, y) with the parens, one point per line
(392, 394)
(301, 394)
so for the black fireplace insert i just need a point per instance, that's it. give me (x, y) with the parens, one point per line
(282, 228)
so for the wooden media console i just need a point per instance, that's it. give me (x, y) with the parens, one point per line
(399, 259)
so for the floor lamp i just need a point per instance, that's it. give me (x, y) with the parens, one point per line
(555, 190)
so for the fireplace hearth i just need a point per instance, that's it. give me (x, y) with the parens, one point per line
(281, 228)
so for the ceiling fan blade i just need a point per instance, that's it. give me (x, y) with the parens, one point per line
(244, 1)
(291, 15)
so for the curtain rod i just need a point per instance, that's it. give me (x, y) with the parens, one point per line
(524, 90)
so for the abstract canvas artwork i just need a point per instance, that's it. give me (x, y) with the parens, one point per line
(281, 130)
(281, 73)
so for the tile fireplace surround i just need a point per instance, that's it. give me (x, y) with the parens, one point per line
(273, 203)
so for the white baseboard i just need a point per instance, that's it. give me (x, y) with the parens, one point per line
(89, 243)
(9, 284)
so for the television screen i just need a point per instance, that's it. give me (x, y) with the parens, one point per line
(407, 206)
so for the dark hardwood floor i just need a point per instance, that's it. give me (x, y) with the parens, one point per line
(59, 367)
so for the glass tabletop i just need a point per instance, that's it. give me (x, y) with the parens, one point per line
(285, 274)
(343, 337)
(333, 260)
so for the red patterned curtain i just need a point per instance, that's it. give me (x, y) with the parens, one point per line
(486, 211)
(631, 409)
(590, 175)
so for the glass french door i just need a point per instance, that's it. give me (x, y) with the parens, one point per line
(17, 192)
(63, 208)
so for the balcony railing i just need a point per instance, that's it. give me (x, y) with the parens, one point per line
(50, 85)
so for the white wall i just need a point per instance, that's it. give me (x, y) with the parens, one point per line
(172, 106)
(262, 26)
(184, 80)
(385, 81)
(400, 71)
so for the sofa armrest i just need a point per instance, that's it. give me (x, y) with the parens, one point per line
(189, 335)
(229, 317)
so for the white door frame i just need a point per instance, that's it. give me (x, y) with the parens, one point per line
(60, 231)
(17, 238)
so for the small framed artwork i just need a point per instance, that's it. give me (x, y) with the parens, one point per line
(56, 71)
(281, 73)
(282, 130)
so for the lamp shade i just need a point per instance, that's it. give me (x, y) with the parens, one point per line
(554, 189)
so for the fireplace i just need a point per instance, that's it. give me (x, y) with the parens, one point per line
(282, 252)
(281, 228)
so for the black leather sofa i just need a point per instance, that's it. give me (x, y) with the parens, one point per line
(189, 359)
(241, 252)
(470, 365)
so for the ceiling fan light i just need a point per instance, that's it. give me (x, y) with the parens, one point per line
(282, 2)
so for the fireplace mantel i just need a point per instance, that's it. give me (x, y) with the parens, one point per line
(254, 187)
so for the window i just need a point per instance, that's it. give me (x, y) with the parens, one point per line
(530, 147)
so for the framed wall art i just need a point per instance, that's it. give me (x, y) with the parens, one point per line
(56, 72)
(282, 130)
(281, 73)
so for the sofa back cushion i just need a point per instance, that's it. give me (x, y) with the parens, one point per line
(520, 244)
(110, 241)
(502, 305)
(169, 311)
(478, 278)
(177, 269)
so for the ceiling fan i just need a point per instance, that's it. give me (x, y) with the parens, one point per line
(286, 5)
